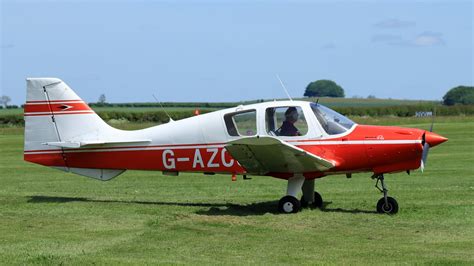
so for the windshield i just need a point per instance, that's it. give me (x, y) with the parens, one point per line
(331, 121)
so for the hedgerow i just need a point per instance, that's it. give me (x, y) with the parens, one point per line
(161, 117)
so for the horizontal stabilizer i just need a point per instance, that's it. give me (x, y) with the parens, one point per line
(100, 174)
(79, 144)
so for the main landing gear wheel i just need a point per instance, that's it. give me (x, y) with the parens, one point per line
(389, 207)
(289, 204)
(386, 204)
(317, 203)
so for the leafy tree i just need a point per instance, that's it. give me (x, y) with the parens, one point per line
(324, 88)
(459, 95)
(102, 99)
(4, 100)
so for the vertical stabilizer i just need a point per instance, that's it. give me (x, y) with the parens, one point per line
(55, 114)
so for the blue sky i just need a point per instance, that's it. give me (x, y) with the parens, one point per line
(232, 50)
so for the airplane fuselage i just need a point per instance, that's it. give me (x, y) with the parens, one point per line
(197, 144)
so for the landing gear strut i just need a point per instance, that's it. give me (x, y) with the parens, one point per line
(310, 197)
(386, 204)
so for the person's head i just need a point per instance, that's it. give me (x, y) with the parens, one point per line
(291, 114)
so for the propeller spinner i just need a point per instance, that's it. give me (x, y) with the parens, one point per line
(430, 139)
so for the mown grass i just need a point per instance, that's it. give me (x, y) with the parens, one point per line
(51, 217)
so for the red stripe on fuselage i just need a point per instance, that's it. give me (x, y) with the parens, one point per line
(194, 160)
(57, 108)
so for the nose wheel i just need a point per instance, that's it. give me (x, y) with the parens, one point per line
(389, 207)
(386, 204)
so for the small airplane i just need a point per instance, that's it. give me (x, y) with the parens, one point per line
(297, 141)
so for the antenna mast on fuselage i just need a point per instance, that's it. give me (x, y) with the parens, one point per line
(284, 88)
(162, 107)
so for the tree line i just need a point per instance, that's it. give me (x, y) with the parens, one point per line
(463, 95)
(328, 88)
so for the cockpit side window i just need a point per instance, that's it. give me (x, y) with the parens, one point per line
(241, 123)
(331, 121)
(286, 121)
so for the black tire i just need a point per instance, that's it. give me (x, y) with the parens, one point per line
(317, 203)
(390, 208)
(289, 204)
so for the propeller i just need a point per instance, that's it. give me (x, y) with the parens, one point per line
(429, 140)
(426, 147)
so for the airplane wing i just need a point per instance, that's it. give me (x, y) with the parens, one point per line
(261, 155)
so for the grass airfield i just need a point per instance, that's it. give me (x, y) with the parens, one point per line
(51, 217)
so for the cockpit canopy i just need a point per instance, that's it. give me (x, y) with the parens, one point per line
(331, 121)
(286, 119)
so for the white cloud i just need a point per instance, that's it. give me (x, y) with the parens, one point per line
(428, 39)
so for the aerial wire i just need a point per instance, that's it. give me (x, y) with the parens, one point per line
(284, 88)
(162, 107)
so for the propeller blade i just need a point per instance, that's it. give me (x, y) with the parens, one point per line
(424, 157)
(432, 120)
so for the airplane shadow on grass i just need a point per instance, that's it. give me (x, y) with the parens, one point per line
(215, 209)
(262, 208)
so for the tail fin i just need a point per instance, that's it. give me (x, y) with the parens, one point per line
(56, 118)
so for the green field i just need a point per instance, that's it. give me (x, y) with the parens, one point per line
(51, 217)
(362, 102)
(330, 102)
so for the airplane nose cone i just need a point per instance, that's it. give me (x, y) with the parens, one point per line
(434, 139)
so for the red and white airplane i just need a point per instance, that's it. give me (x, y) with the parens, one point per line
(293, 140)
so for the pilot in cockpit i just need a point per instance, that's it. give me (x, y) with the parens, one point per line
(288, 127)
